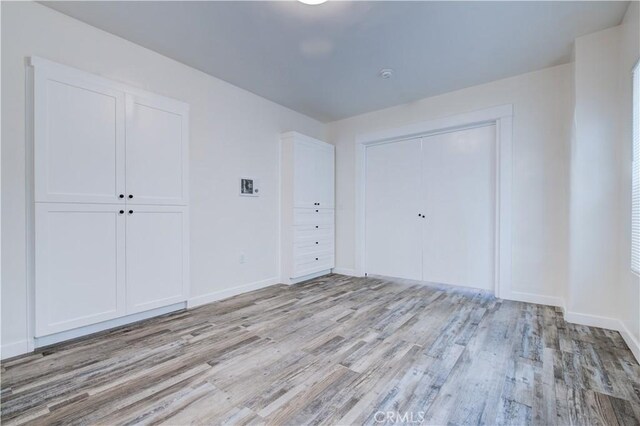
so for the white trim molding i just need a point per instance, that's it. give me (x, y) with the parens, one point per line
(502, 117)
(606, 323)
(346, 271)
(9, 350)
(630, 340)
(538, 299)
(230, 292)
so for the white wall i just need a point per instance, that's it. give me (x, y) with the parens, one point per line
(595, 183)
(602, 289)
(629, 282)
(542, 103)
(233, 133)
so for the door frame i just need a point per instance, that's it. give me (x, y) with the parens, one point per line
(502, 118)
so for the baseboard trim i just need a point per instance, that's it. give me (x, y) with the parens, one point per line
(9, 350)
(88, 330)
(581, 318)
(592, 320)
(538, 299)
(346, 271)
(230, 292)
(631, 341)
(607, 323)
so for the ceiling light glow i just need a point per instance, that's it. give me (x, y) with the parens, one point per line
(312, 2)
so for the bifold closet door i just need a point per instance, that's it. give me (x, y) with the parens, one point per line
(79, 258)
(393, 207)
(157, 250)
(459, 204)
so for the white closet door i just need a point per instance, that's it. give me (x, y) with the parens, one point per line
(459, 194)
(156, 149)
(156, 256)
(393, 205)
(325, 177)
(79, 139)
(79, 261)
(305, 174)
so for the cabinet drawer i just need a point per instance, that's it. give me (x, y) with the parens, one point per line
(302, 232)
(308, 246)
(313, 216)
(310, 263)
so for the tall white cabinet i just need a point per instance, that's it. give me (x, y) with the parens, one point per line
(308, 207)
(110, 200)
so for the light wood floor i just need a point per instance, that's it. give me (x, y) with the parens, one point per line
(335, 350)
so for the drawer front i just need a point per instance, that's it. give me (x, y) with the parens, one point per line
(312, 232)
(310, 263)
(313, 245)
(313, 216)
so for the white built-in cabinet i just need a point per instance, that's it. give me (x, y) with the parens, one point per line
(308, 207)
(110, 199)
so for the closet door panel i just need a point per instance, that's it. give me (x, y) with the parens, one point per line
(79, 260)
(79, 139)
(305, 175)
(459, 192)
(156, 256)
(393, 204)
(156, 151)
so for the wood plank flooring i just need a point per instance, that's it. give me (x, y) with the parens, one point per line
(335, 350)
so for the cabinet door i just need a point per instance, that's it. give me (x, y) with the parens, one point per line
(325, 172)
(78, 138)
(79, 265)
(156, 151)
(157, 247)
(305, 193)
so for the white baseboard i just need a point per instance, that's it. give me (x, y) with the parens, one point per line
(592, 320)
(52, 339)
(630, 340)
(9, 350)
(538, 299)
(229, 292)
(581, 318)
(609, 324)
(346, 271)
(291, 281)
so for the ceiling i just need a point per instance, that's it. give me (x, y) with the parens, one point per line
(323, 61)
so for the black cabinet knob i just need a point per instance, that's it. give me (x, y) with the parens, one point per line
(121, 196)
(121, 211)
(130, 211)
(130, 195)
